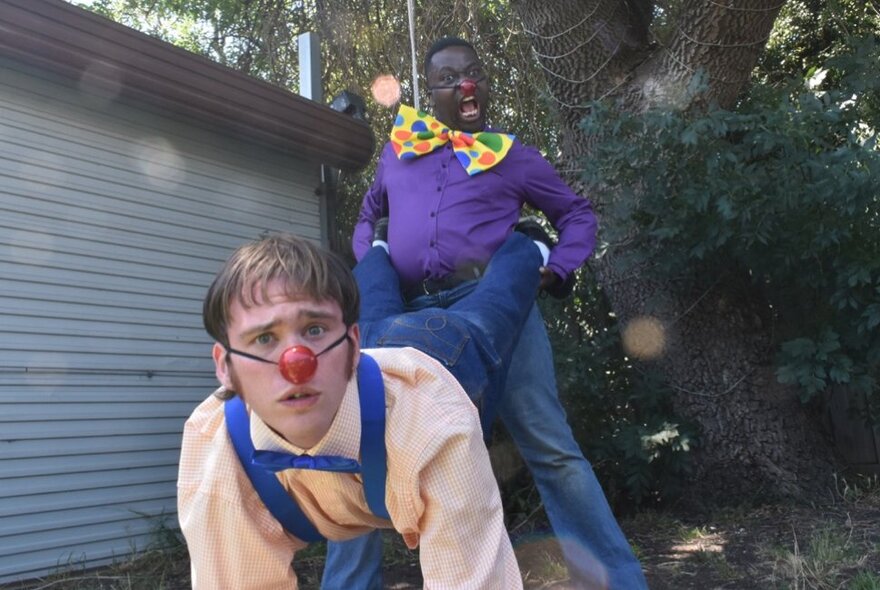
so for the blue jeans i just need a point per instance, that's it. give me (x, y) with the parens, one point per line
(595, 549)
(354, 564)
(473, 337)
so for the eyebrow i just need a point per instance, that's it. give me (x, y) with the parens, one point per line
(258, 329)
(311, 314)
(451, 69)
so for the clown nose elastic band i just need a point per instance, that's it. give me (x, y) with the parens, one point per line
(297, 364)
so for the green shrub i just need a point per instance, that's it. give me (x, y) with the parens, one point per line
(781, 194)
(621, 416)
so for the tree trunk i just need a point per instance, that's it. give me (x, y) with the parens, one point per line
(717, 349)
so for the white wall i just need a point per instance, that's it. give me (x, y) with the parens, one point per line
(113, 220)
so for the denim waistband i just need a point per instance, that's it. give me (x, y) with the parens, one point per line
(432, 286)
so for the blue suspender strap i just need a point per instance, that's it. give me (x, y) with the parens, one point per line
(271, 492)
(374, 464)
(374, 467)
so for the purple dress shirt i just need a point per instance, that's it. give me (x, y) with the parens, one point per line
(441, 219)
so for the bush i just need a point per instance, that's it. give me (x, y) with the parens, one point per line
(784, 192)
(620, 415)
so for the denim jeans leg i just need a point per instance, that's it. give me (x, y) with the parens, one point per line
(355, 564)
(502, 299)
(379, 286)
(596, 550)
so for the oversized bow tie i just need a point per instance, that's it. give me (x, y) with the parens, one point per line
(416, 133)
(274, 461)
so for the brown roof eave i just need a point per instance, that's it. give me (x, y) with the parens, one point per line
(66, 39)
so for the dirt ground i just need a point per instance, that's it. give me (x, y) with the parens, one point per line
(777, 546)
(835, 546)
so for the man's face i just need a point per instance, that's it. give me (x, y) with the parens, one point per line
(302, 414)
(448, 67)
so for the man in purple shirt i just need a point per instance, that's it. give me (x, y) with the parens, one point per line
(444, 222)
(444, 225)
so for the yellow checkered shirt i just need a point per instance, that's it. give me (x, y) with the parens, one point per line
(440, 491)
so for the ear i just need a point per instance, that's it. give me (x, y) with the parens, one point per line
(355, 336)
(221, 366)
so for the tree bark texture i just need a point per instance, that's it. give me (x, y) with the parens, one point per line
(717, 339)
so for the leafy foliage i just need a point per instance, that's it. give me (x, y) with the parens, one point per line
(782, 193)
(359, 42)
(258, 38)
(810, 32)
(620, 414)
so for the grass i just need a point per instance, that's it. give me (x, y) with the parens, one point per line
(863, 488)
(748, 547)
(796, 547)
(162, 565)
(540, 560)
(155, 569)
(819, 561)
(836, 553)
(865, 581)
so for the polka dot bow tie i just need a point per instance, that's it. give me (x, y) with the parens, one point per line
(416, 133)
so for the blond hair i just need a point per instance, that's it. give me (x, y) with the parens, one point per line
(305, 268)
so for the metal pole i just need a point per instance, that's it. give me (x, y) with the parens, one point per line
(412, 42)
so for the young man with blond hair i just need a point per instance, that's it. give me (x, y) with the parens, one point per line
(284, 316)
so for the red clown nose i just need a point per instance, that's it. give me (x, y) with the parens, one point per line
(468, 87)
(298, 364)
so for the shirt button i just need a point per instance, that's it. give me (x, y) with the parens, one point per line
(433, 214)
(438, 189)
(433, 243)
